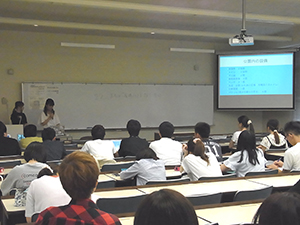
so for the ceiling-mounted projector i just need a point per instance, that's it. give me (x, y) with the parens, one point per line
(241, 40)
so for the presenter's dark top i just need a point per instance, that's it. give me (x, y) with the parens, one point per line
(9, 146)
(18, 118)
(130, 146)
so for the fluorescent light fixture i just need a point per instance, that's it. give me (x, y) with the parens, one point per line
(192, 50)
(86, 45)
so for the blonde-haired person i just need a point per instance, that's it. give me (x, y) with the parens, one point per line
(274, 140)
(197, 162)
(78, 174)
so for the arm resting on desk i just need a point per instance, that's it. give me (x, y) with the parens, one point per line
(224, 168)
(231, 144)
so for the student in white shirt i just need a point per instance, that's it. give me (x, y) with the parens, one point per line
(147, 167)
(292, 155)
(197, 162)
(243, 123)
(166, 149)
(274, 140)
(248, 158)
(44, 192)
(99, 148)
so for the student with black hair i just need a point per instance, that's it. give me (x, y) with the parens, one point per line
(146, 167)
(244, 123)
(8, 146)
(99, 148)
(247, 158)
(165, 207)
(30, 132)
(197, 162)
(280, 208)
(17, 116)
(49, 117)
(132, 145)
(274, 140)
(21, 176)
(202, 131)
(292, 155)
(55, 149)
(168, 150)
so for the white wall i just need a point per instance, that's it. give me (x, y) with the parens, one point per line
(39, 57)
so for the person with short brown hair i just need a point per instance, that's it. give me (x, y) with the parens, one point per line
(78, 174)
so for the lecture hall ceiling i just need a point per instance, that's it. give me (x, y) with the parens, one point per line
(274, 21)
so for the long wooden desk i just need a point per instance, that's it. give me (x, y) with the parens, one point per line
(230, 214)
(170, 173)
(278, 181)
(130, 219)
(224, 214)
(187, 189)
(200, 188)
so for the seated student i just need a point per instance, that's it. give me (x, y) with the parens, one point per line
(274, 140)
(55, 149)
(292, 155)
(132, 145)
(78, 174)
(147, 167)
(243, 124)
(21, 176)
(280, 208)
(44, 192)
(168, 150)
(99, 148)
(202, 131)
(197, 162)
(247, 158)
(17, 116)
(165, 207)
(30, 132)
(8, 146)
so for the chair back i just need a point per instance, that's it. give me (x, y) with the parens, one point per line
(86, 138)
(120, 205)
(205, 199)
(226, 176)
(253, 194)
(266, 172)
(106, 184)
(167, 181)
(116, 167)
(11, 163)
(57, 162)
(132, 157)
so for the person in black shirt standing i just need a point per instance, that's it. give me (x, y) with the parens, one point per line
(17, 116)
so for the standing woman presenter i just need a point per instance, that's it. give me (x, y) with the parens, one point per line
(49, 117)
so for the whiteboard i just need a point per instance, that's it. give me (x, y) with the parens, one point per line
(82, 105)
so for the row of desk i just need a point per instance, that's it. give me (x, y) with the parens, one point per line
(223, 214)
(188, 189)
